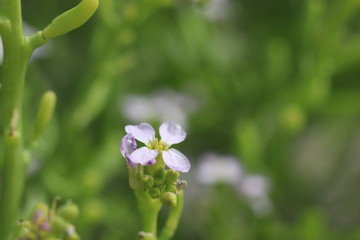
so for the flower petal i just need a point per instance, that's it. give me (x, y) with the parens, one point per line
(176, 160)
(172, 133)
(143, 156)
(143, 132)
(128, 146)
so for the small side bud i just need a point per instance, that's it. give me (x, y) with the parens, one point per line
(44, 114)
(147, 181)
(68, 211)
(155, 192)
(169, 199)
(171, 176)
(181, 184)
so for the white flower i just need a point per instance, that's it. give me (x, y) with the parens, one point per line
(214, 168)
(170, 133)
(163, 105)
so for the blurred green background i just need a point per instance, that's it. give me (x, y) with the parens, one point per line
(269, 88)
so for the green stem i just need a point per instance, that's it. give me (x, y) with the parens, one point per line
(149, 210)
(173, 219)
(16, 55)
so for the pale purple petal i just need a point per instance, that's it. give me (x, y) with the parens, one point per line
(143, 132)
(143, 156)
(128, 146)
(172, 133)
(176, 160)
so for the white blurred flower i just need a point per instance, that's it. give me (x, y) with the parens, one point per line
(217, 9)
(162, 106)
(254, 186)
(213, 169)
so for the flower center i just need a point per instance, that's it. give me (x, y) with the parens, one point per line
(158, 145)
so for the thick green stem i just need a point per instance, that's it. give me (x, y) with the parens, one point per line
(173, 219)
(16, 54)
(149, 210)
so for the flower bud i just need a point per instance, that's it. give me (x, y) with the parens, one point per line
(147, 181)
(71, 19)
(181, 184)
(58, 224)
(159, 173)
(171, 176)
(39, 213)
(69, 211)
(44, 114)
(71, 234)
(170, 188)
(21, 229)
(158, 183)
(155, 192)
(74, 236)
(169, 199)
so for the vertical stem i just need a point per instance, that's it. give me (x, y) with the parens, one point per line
(16, 54)
(149, 210)
(173, 219)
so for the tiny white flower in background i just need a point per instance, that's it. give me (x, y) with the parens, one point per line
(217, 9)
(163, 106)
(170, 133)
(213, 169)
(138, 108)
(254, 186)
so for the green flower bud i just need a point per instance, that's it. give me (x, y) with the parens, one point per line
(159, 173)
(74, 236)
(44, 114)
(169, 199)
(21, 230)
(58, 224)
(171, 176)
(170, 188)
(71, 19)
(39, 213)
(69, 211)
(155, 192)
(147, 181)
(158, 183)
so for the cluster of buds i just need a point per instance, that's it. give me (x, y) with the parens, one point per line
(147, 164)
(49, 224)
(163, 184)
